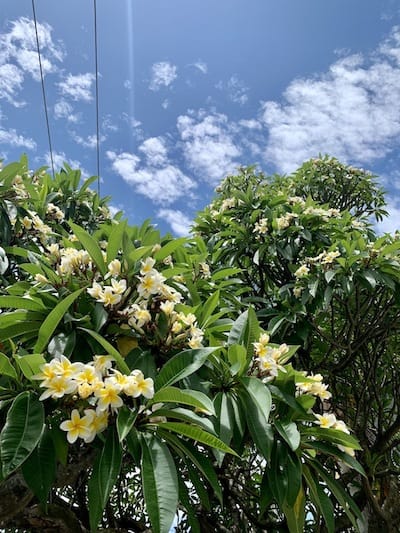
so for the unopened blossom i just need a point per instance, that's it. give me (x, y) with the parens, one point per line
(205, 270)
(39, 278)
(96, 290)
(102, 363)
(167, 307)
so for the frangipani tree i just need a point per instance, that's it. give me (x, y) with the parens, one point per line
(320, 277)
(133, 392)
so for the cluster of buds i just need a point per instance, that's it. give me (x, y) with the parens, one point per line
(98, 384)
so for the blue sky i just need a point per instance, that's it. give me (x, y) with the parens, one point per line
(191, 89)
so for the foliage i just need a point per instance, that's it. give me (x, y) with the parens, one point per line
(320, 277)
(132, 390)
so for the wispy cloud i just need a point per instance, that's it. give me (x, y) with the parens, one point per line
(63, 109)
(59, 158)
(157, 178)
(13, 139)
(78, 87)
(208, 144)
(201, 66)
(89, 142)
(236, 90)
(352, 111)
(179, 222)
(163, 74)
(18, 56)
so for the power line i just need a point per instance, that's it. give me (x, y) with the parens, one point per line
(97, 97)
(43, 89)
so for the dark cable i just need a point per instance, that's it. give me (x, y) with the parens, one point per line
(97, 98)
(43, 89)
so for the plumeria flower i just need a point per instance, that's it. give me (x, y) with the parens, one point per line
(109, 297)
(114, 268)
(139, 385)
(167, 307)
(76, 427)
(96, 290)
(302, 272)
(119, 287)
(147, 266)
(57, 387)
(102, 363)
(108, 396)
(327, 420)
(97, 422)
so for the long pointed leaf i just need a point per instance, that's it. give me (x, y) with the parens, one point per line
(123, 367)
(90, 245)
(182, 365)
(160, 484)
(53, 319)
(186, 397)
(22, 431)
(104, 475)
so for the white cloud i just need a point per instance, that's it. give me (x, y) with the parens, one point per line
(89, 142)
(78, 87)
(178, 221)
(128, 85)
(18, 56)
(155, 150)
(59, 158)
(11, 79)
(159, 180)
(165, 104)
(14, 139)
(162, 74)
(208, 145)
(251, 124)
(351, 112)
(236, 90)
(19, 45)
(63, 109)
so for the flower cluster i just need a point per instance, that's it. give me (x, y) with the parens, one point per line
(269, 357)
(329, 421)
(285, 221)
(98, 384)
(261, 227)
(313, 385)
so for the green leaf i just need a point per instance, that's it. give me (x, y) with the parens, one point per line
(90, 245)
(53, 319)
(22, 431)
(207, 308)
(115, 240)
(30, 364)
(39, 470)
(125, 420)
(332, 435)
(343, 456)
(191, 455)
(346, 502)
(289, 432)
(6, 368)
(105, 472)
(169, 248)
(18, 302)
(182, 365)
(257, 402)
(123, 367)
(187, 397)
(197, 434)
(160, 484)
(320, 499)
(295, 514)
